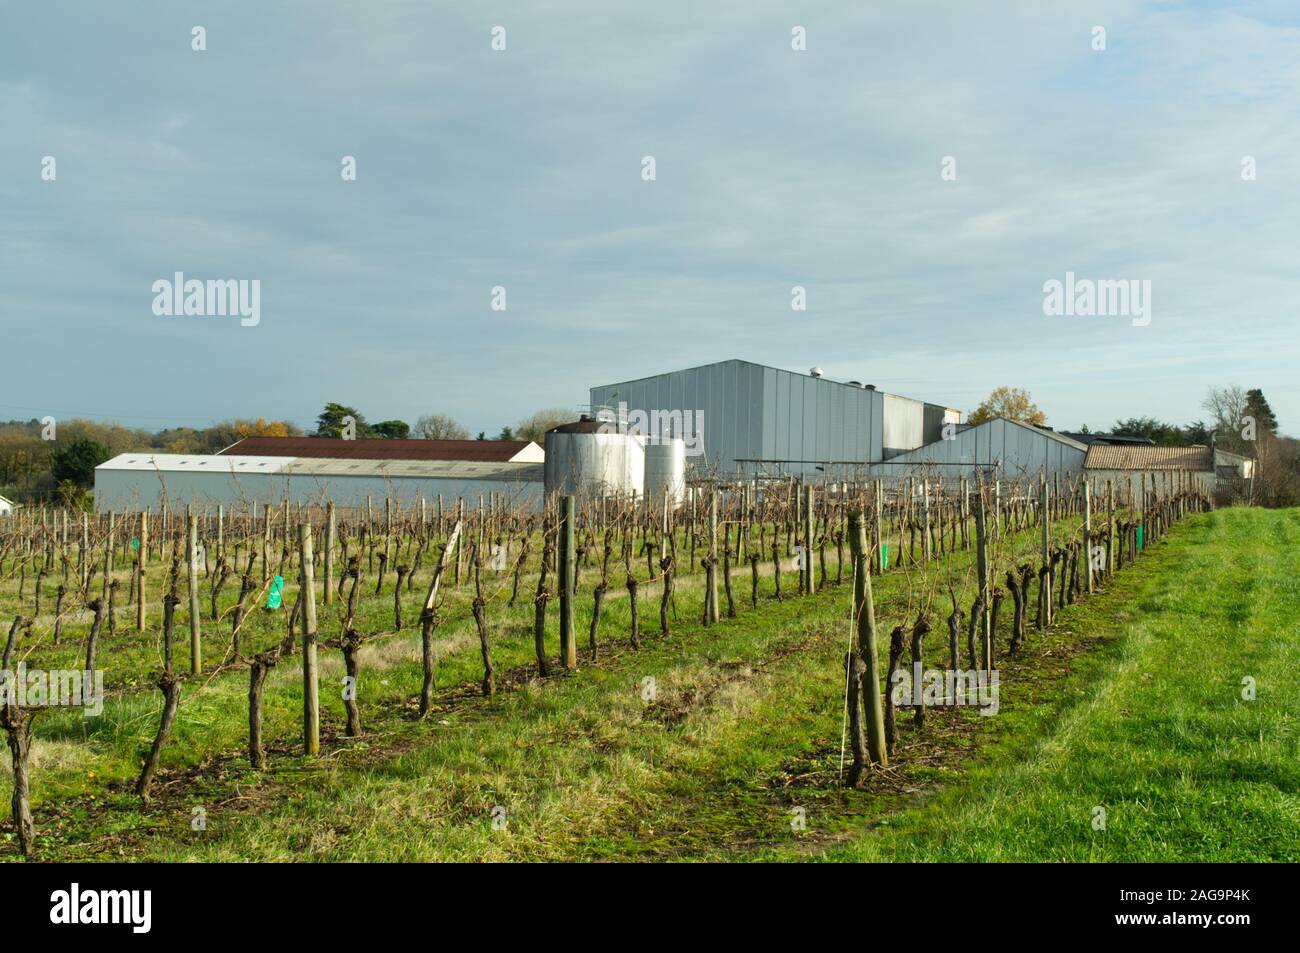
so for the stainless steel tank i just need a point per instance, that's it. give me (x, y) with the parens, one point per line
(592, 457)
(665, 470)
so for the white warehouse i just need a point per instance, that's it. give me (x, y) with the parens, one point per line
(133, 481)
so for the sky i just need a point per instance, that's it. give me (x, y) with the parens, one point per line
(522, 168)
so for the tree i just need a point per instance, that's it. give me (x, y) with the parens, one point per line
(1157, 431)
(534, 427)
(1012, 403)
(1257, 407)
(76, 461)
(506, 433)
(1227, 407)
(261, 427)
(439, 427)
(1197, 433)
(331, 422)
(390, 429)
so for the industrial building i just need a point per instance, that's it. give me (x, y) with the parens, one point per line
(743, 419)
(1127, 467)
(1002, 449)
(145, 480)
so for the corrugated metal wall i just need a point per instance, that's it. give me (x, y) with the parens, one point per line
(757, 413)
(904, 425)
(1017, 451)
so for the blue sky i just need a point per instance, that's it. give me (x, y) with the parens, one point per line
(522, 169)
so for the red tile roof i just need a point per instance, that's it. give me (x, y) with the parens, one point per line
(496, 451)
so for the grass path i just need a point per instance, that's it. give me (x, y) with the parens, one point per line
(1184, 767)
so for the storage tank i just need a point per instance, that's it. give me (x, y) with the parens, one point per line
(591, 456)
(665, 469)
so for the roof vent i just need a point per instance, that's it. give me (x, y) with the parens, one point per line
(815, 372)
(855, 383)
(868, 386)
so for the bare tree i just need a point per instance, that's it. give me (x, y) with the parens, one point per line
(439, 427)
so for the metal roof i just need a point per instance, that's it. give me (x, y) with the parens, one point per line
(195, 463)
(327, 467)
(1106, 457)
(417, 469)
(372, 448)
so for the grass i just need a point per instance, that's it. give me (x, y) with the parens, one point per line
(1131, 703)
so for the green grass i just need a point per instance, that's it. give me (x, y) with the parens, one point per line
(1132, 702)
(1161, 739)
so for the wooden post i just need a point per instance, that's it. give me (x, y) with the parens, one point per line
(310, 680)
(328, 555)
(711, 596)
(925, 538)
(192, 558)
(108, 554)
(142, 554)
(877, 528)
(981, 542)
(568, 643)
(864, 616)
(809, 577)
(1110, 527)
(1087, 528)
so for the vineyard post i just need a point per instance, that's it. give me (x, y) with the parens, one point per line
(1110, 527)
(711, 604)
(310, 681)
(1087, 529)
(192, 557)
(925, 539)
(864, 616)
(328, 555)
(877, 528)
(809, 580)
(568, 644)
(142, 555)
(108, 553)
(981, 542)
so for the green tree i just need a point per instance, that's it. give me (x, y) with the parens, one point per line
(507, 433)
(1197, 432)
(331, 421)
(390, 429)
(1257, 407)
(1160, 433)
(76, 461)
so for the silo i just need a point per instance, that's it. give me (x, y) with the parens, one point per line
(592, 457)
(665, 469)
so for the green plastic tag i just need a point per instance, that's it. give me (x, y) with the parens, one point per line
(135, 543)
(1139, 535)
(884, 556)
(277, 592)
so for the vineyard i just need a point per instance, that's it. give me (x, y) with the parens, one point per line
(601, 678)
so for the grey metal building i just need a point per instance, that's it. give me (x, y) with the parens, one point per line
(753, 419)
(1007, 448)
